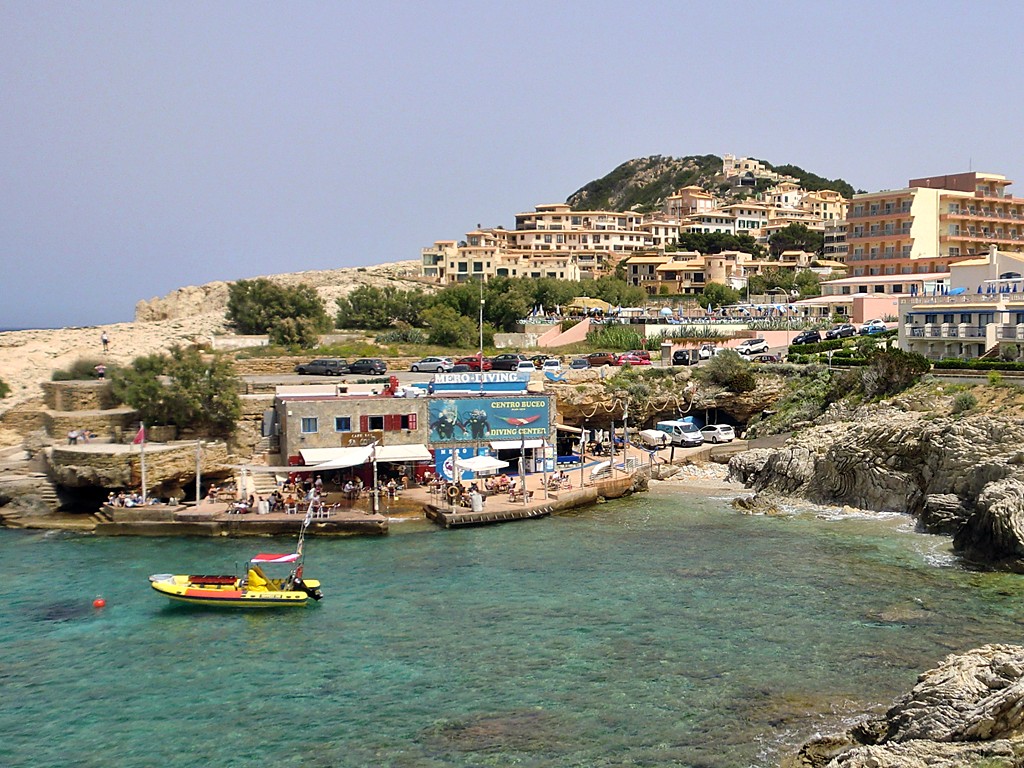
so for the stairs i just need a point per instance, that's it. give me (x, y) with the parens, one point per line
(265, 483)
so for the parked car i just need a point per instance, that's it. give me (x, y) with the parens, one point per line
(508, 362)
(806, 337)
(873, 326)
(632, 359)
(369, 366)
(597, 359)
(579, 363)
(767, 359)
(323, 366)
(646, 355)
(436, 364)
(752, 346)
(473, 363)
(526, 365)
(706, 351)
(682, 357)
(718, 433)
(841, 331)
(552, 364)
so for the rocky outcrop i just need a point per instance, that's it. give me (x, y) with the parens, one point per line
(947, 472)
(967, 711)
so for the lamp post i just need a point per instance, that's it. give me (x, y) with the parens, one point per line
(480, 360)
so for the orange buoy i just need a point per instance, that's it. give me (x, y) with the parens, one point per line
(99, 602)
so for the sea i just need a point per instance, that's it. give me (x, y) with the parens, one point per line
(665, 629)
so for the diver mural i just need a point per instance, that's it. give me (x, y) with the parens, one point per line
(476, 419)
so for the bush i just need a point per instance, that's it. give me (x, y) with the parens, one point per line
(615, 337)
(83, 369)
(402, 336)
(731, 371)
(5, 389)
(259, 306)
(964, 401)
(890, 371)
(977, 365)
(183, 389)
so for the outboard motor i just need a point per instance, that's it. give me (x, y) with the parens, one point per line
(313, 592)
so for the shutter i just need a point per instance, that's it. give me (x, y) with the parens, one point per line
(412, 421)
(389, 422)
(364, 423)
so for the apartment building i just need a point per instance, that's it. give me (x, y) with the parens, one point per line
(688, 272)
(932, 223)
(688, 201)
(980, 313)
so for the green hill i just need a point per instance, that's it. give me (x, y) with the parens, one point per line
(644, 182)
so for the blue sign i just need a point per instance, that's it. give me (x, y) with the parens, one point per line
(477, 419)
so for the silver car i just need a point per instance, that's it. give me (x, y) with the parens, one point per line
(436, 364)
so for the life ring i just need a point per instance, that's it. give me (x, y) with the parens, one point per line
(453, 492)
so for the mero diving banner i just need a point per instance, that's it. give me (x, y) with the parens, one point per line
(473, 419)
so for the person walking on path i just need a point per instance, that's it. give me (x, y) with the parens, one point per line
(105, 340)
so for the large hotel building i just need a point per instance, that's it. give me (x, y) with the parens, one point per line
(932, 223)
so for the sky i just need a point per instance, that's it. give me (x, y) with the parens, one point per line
(149, 146)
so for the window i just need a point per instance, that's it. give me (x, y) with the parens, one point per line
(930, 319)
(309, 425)
(342, 423)
(375, 423)
(547, 238)
(879, 289)
(965, 317)
(897, 288)
(948, 317)
(478, 266)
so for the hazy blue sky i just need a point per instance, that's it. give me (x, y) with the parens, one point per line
(150, 145)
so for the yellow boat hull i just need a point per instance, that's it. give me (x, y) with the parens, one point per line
(229, 594)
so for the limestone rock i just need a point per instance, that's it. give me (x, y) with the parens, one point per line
(944, 513)
(996, 531)
(968, 709)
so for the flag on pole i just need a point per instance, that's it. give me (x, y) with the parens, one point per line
(140, 437)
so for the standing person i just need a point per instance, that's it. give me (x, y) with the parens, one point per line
(101, 371)
(105, 340)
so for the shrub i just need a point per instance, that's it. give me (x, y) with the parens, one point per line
(257, 306)
(995, 378)
(731, 371)
(964, 401)
(890, 371)
(5, 389)
(83, 369)
(402, 336)
(183, 389)
(615, 337)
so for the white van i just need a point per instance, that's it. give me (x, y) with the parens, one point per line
(683, 433)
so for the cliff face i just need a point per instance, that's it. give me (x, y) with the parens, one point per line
(960, 476)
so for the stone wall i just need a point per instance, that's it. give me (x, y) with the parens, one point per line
(78, 395)
(109, 424)
(25, 417)
(167, 466)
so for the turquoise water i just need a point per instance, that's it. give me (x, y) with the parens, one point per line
(662, 630)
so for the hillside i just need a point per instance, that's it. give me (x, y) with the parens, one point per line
(645, 182)
(642, 183)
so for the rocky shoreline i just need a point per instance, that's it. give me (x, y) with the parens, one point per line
(957, 476)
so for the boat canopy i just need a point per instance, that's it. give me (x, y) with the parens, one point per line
(269, 558)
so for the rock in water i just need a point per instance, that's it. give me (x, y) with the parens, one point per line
(966, 711)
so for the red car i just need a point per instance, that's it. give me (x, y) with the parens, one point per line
(474, 362)
(632, 359)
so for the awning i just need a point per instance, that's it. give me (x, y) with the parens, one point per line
(515, 445)
(481, 463)
(336, 458)
(269, 558)
(403, 453)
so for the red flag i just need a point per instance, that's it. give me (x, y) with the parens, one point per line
(140, 437)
